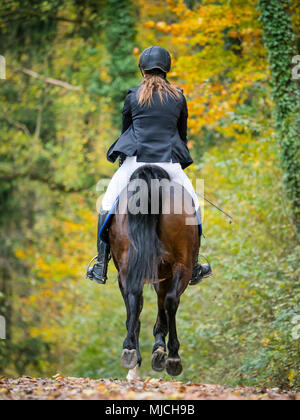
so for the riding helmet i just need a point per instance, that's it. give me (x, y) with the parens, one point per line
(155, 57)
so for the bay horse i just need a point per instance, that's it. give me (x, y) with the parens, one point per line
(161, 249)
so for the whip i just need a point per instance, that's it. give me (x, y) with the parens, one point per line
(218, 208)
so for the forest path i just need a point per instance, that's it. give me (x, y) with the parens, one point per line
(60, 388)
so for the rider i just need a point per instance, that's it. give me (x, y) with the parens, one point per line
(154, 130)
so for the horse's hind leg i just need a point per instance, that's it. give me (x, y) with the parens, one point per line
(160, 331)
(137, 333)
(133, 373)
(173, 364)
(131, 356)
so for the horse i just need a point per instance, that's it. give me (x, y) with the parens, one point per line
(161, 249)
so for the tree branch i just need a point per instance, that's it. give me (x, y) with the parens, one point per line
(50, 81)
(38, 123)
(17, 124)
(41, 108)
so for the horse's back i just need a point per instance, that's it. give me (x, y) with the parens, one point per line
(177, 229)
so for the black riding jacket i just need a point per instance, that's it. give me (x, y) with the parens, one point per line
(155, 133)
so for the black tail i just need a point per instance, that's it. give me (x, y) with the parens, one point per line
(145, 246)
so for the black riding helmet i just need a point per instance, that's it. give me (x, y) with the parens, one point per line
(155, 58)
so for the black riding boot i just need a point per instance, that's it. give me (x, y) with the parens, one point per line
(200, 272)
(98, 273)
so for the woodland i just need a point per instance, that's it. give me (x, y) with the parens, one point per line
(69, 66)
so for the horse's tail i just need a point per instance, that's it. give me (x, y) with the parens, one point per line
(145, 245)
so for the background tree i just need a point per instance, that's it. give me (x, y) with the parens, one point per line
(121, 17)
(280, 41)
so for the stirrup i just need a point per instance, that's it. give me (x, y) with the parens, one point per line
(89, 266)
(90, 275)
(197, 277)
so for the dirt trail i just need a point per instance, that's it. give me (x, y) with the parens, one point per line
(60, 388)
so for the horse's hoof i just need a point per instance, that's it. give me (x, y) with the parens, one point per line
(129, 359)
(174, 366)
(159, 358)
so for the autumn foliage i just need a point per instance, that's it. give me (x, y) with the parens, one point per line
(241, 327)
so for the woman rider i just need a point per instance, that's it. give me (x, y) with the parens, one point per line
(154, 130)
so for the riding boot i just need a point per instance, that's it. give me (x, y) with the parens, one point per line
(98, 272)
(200, 272)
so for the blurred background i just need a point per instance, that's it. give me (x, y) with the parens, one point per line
(69, 65)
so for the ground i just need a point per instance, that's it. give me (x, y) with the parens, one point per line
(60, 388)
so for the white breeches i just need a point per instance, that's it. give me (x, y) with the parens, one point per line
(121, 179)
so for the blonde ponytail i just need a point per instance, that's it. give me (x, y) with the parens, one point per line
(155, 83)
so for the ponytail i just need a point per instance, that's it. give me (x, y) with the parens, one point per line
(153, 82)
